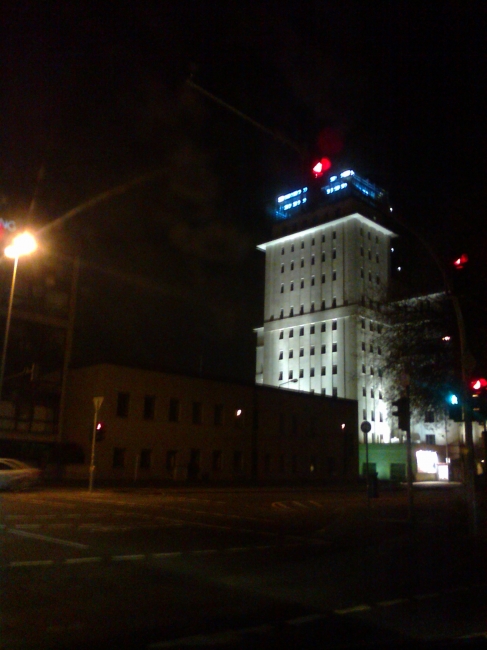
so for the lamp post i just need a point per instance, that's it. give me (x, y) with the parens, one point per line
(291, 381)
(23, 244)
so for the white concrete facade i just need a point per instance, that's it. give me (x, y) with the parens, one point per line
(319, 324)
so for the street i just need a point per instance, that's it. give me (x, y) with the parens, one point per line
(172, 567)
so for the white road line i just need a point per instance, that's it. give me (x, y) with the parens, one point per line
(121, 558)
(82, 560)
(301, 505)
(318, 505)
(208, 551)
(390, 603)
(159, 556)
(31, 563)
(279, 504)
(46, 538)
(352, 610)
(302, 620)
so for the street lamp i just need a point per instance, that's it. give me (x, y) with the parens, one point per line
(291, 381)
(23, 244)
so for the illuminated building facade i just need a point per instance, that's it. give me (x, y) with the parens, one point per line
(327, 267)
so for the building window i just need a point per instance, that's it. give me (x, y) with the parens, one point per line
(312, 350)
(312, 260)
(380, 372)
(290, 376)
(282, 288)
(361, 273)
(334, 276)
(334, 347)
(377, 257)
(323, 327)
(380, 394)
(216, 460)
(371, 326)
(118, 458)
(361, 252)
(334, 302)
(313, 242)
(334, 234)
(312, 329)
(302, 244)
(290, 354)
(280, 376)
(335, 370)
(379, 351)
(323, 257)
(291, 312)
(322, 305)
(362, 322)
(313, 281)
(372, 393)
(430, 439)
(197, 412)
(379, 329)
(323, 278)
(301, 374)
(334, 391)
(282, 251)
(237, 461)
(302, 283)
(123, 400)
(364, 414)
(149, 407)
(292, 248)
(301, 352)
(323, 371)
(282, 268)
(281, 334)
(281, 355)
(370, 276)
(312, 307)
(218, 415)
(312, 372)
(292, 266)
(301, 331)
(334, 325)
(301, 310)
(377, 279)
(291, 334)
(171, 456)
(381, 417)
(363, 368)
(363, 346)
(174, 409)
(145, 458)
(364, 391)
(323, 349)
(281, 314)
(371, 370)
(371, 348)
(323, 238)
(302, 262)
(370, 255)
(429, 417)
(334, 256)
(372, 416)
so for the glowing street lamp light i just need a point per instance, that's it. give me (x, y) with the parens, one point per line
(23, 244)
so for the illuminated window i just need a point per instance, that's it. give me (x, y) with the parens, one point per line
(290, 354)
(323, 371)
(302, 283)
(301, 331)
(312, 372)
(312, 329)
(301, 374)
(301, 352)
(334, 325)
(335, 370)
(312, 350)
(313, 281)
(334, 347)
(323, 349)
(281, 355)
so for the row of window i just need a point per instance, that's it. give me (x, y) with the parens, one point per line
(312, 308)
(311, 372)
(174, 410)
(334, 348)
(372, 326)
(323, 240)
(372, 393)
(313, 261)
(371, 348)
(312, 330)
(372, 415)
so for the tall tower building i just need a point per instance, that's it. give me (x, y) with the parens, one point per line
(327, 267)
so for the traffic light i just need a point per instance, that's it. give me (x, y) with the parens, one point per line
(100, 431)
(402, 412)
(321, 167)
(460, 262)
(478, 399)
(455, 411)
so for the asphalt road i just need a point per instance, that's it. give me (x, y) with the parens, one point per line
(236, 568)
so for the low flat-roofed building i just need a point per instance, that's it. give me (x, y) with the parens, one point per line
(158, 426)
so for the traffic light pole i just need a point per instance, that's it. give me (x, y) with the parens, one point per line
(409, 452)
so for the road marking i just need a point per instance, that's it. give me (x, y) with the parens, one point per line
(82, 560)
(31, 563)
(279, 504)
(158, 556)
(302, 620)
(352, 610)
(301, 505)
(390, 603)
(121, 558)
(318, 505)
(46, 538)
(208, 551)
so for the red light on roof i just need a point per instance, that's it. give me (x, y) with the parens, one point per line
(460, 261)
(321, 167)
(477, 384)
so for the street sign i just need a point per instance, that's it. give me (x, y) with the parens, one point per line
(365, 427)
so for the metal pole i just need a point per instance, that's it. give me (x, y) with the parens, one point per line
(7, 326)
(93, 442)
(409, 462)
(366, 435)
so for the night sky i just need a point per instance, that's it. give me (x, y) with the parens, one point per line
(94, 95)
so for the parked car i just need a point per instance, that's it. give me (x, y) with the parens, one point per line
(16, 475)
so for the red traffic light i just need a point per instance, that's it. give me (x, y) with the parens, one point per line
(478, 384)
(460, 262)
(321, 167)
